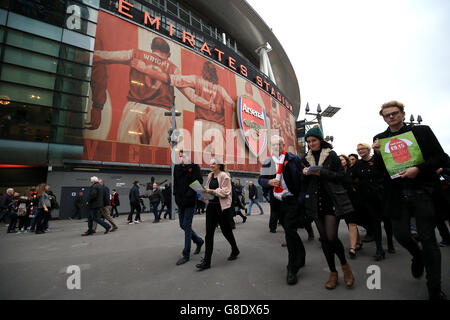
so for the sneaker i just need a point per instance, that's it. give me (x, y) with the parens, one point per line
(136, 222)
(140, 221)
(130, 222)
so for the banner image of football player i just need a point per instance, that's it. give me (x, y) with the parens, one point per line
(211, 101)
(143, 120)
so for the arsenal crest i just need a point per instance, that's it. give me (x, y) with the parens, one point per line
(253, 122)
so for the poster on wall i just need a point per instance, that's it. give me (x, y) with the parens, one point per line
(138, 75)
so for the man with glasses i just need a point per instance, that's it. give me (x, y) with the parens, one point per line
(410, 195)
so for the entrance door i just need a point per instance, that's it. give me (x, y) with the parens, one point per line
(67, 203)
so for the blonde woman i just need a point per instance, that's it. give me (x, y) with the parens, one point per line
(218, 211)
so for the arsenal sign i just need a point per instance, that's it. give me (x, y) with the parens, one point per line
(253, 123)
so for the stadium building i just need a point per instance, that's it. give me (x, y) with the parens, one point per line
(87, 88)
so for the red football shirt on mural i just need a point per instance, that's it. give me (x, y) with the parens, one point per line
(146, 90)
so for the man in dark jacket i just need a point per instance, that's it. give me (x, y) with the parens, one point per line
(105, 211)
(253, 197)
(115, 202)
(95, 203)
(167, 201)
(78, 204)
(155, 197)
(134, 203)
(5, 203)
(289, 206)
(411, 195)
(186, 173)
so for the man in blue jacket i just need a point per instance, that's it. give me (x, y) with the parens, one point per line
(134, 203)
(281, 176)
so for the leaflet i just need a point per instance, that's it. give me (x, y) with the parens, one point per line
(199, 188)
(313, 169)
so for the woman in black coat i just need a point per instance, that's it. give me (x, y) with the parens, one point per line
(326, 200)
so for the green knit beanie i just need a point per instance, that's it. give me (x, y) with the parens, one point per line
(315, 132)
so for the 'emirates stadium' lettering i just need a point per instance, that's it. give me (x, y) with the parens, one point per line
(189, 39)
(252, 112)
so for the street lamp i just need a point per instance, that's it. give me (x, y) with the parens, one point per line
(328, 113)
(411, 120)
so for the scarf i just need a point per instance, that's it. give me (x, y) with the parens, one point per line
(279, 191)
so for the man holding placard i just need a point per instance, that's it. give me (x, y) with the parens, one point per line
(410, 156)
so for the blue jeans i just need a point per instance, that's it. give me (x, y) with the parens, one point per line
(251, 204)
(155, 210)
(93, 216)
(186, 216)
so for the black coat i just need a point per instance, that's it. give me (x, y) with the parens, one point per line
(427, 179)
(332, 178)
(252, 192)
(184, 175)
(155, 196)
(106, 196)
(95, 198)
(116, 199)
(134, 196)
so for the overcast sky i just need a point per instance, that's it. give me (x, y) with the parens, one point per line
(358, 54)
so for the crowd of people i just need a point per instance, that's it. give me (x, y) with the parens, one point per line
(29, 212)
(322, 187)
(326, 188)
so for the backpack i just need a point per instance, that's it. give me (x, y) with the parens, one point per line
(22, 210)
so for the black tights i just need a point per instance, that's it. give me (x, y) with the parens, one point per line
(377, 232)
(328, 226)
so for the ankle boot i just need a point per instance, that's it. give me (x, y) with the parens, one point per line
(332, 281)
(349, 279)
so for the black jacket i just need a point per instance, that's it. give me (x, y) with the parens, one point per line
(5, 204)
(155, 196)
(106, 196)
(332, 178)
(185, 196)
(116, 199)
(167, 195)
(134, 195)
(95, 198)
(252, 192)
(427, 180)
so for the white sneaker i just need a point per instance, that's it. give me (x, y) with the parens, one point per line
(137, 222)
(131, 222)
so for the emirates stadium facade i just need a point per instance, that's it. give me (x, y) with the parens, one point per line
(87, 88)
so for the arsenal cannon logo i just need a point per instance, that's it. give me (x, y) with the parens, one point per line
(253, 123)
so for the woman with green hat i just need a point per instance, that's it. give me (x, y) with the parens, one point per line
(326, 201)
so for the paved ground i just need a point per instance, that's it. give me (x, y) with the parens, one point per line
(138, 262)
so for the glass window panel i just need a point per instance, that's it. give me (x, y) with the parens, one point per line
(33, 26)
(69, 102)
(66, 136)
(30, 42)
(196, 23)
(172, 8)
(92, 3)
(30, 59)
(184, 15)
(3, 14)
(25, 122)
(68, 118)
(74, 70)
(28, 77)
(72, 86)
(78, 40)
(2, 33)
(76, 54)
(31, 95)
